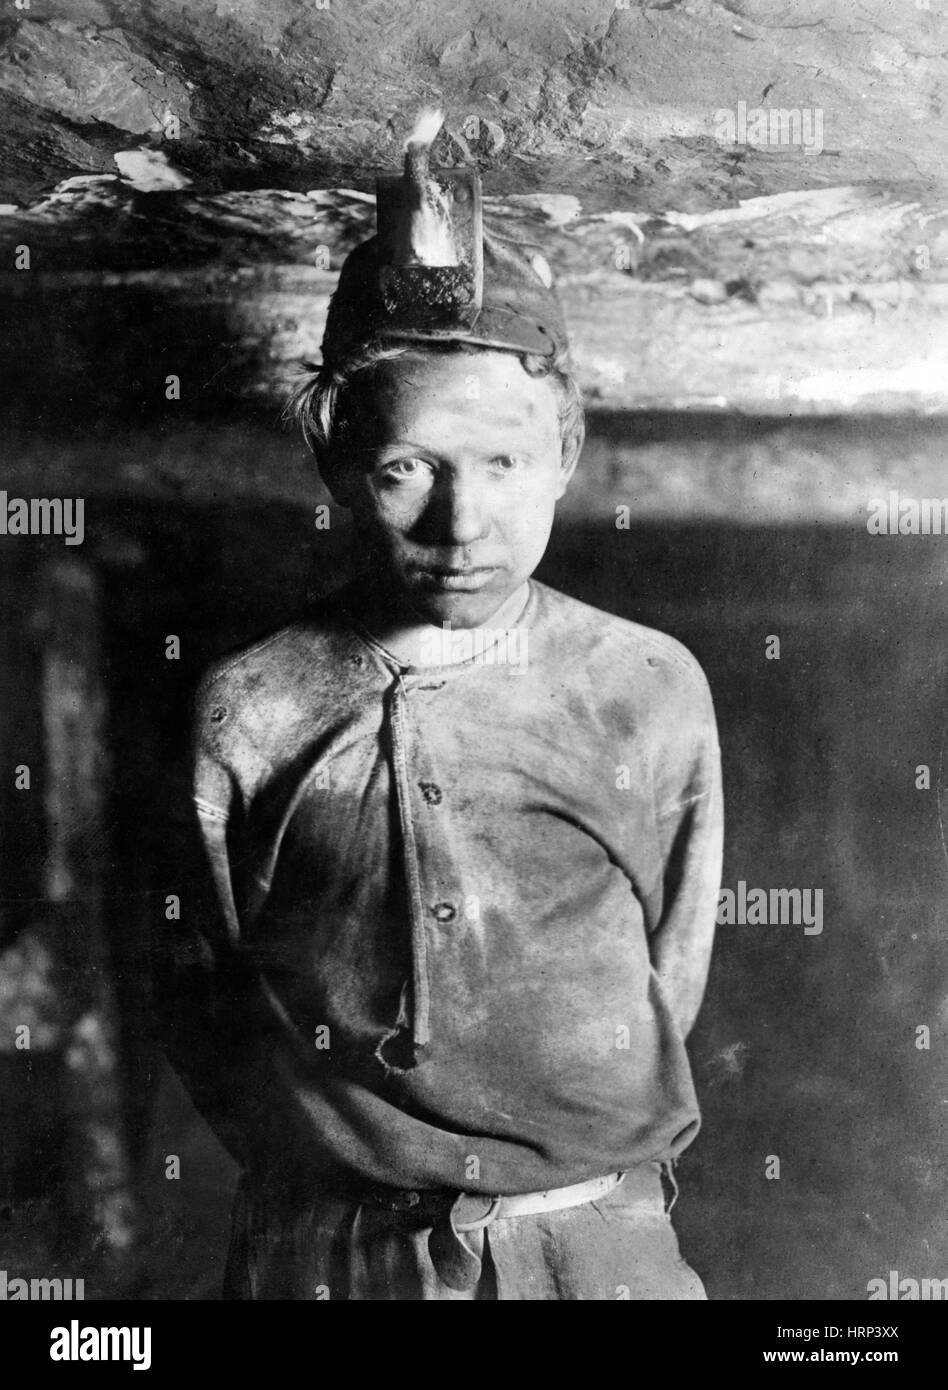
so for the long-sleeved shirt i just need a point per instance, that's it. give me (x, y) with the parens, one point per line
(462, 915)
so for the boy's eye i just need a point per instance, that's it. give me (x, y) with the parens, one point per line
(407, 470)
(417, 470)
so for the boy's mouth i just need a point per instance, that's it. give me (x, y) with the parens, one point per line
(458, 579)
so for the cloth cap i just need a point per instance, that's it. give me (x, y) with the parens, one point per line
(520, 310)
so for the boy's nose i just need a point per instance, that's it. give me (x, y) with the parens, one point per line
(461, 511)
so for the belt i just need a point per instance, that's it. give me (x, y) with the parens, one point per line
(475, 1209)
(459, 1219)
(534, 1203)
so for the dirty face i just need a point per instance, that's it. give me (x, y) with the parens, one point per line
(453, 479)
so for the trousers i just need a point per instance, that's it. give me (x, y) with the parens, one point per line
(348, 1247)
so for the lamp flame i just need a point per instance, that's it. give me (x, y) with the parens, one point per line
(430, 231)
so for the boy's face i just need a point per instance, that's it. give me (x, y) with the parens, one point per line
(453, 479)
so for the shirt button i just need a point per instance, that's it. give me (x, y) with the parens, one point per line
(431, 792)
(444, 912)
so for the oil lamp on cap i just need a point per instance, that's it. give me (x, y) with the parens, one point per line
(435, 272)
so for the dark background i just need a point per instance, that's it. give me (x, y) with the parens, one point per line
(805, 1048)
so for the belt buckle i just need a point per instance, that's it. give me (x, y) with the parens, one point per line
(494, 1205)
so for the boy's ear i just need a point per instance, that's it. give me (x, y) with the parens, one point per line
(571, 458)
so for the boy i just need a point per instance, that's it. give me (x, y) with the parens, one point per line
(463, 899)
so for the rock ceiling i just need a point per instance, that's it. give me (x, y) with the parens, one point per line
(744, 203)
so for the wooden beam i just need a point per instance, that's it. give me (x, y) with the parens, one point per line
(797, 304)
(72, 709)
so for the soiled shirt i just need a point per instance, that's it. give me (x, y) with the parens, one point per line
(461, 916)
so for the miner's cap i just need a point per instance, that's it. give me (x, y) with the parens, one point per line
(437, 272)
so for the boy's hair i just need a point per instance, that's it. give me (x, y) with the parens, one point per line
(320, 402)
